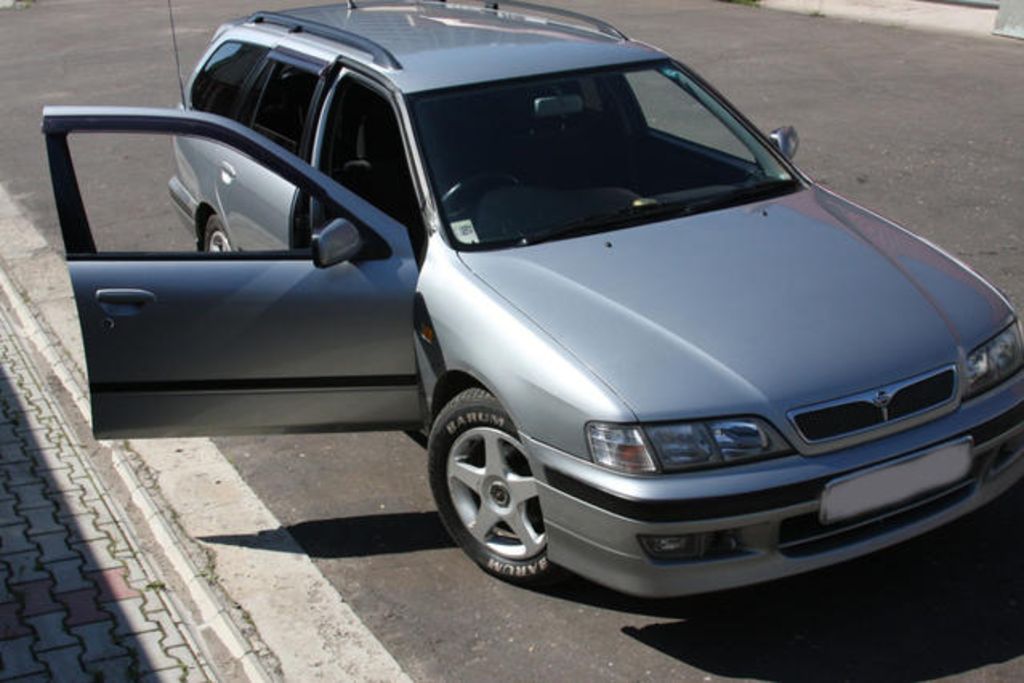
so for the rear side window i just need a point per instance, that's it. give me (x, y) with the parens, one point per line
(283, 105)
(218, 87)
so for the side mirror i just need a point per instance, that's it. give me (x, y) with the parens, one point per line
(336, 242)
(786, 140)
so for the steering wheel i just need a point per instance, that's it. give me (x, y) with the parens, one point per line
(464, 194)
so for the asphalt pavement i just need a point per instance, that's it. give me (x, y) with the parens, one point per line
(925, 128)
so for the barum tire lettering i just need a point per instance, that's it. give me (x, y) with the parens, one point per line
(474, 451)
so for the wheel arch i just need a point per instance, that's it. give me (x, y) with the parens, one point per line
(451, 384)
(203, 213)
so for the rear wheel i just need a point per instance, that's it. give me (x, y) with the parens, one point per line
(215, 237)
(485, 491)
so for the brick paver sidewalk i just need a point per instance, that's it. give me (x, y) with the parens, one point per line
(77, 602)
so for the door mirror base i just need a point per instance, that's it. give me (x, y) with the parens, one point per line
(336, 242)
(786, 140)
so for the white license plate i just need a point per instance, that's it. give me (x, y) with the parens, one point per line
(895, 482)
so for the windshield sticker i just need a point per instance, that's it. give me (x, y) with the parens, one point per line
(464, 232)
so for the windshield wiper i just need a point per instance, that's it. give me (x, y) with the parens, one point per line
(762, 190)
(653, 210)
(607, 221)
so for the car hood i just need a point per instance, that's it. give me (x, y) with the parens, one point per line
(753, 309)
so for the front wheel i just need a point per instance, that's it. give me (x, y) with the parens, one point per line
(485, 492)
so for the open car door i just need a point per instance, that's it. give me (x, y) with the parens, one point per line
(183, 343)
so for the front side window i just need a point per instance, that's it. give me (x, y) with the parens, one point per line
(218, 87)
(521, 162)
(363, 150)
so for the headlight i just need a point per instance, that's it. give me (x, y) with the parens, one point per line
(696, 444)
(685, 445)
(619, 448)
(995, 360)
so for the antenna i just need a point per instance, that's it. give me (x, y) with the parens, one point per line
(177, 59)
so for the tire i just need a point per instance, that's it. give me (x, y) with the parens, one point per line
(479, 473)
(215, 237)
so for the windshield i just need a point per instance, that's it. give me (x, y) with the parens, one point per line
(549, 158)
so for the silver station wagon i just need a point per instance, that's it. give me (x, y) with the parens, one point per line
(640, 345)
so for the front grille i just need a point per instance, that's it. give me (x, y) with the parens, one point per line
(877, 407)
(922, 395)
(829, 422)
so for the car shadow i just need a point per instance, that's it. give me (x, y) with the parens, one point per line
(947, 603)
(943, 604)
(341, 537)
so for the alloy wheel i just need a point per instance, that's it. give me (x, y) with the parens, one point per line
(218, 241)
(495, 494)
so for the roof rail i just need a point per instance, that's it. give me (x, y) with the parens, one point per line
(601, 26)
(380, 54)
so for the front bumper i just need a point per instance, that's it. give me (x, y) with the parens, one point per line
(594, 517)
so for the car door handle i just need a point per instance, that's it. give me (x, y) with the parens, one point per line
(227, 173)
(123, 301)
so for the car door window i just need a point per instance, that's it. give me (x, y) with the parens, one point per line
(217, 87)
(282, 105)
(219, 189)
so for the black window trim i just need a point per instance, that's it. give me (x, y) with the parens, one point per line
(299, 60)
(297, 239)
